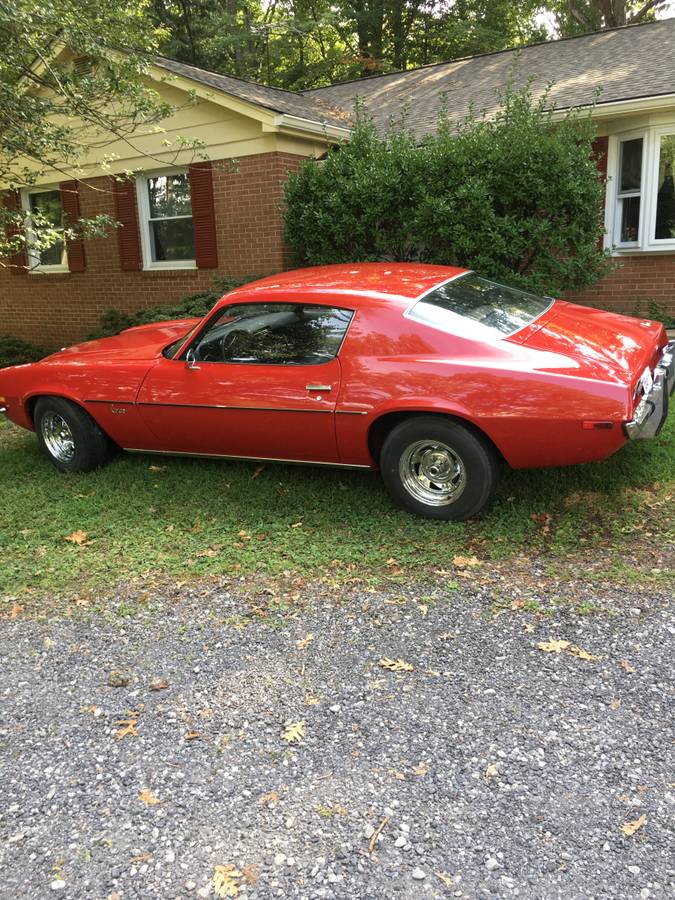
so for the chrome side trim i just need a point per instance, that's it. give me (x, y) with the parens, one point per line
(274, 459)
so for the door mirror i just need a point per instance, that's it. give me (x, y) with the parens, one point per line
(190, 360)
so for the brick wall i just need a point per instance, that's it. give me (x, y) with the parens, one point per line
(635, 280)
(54, 309)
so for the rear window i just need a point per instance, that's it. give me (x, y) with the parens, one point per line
(501, 309)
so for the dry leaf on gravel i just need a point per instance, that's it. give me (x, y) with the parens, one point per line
(311, 700)
(421, 769)
(528, 627)
(445, 878)
(191, 736)
(304, 642)
(294, 732)
(270, 800)
(77, 537)
(553, 646)
(148, 797)
(615, 703)
(463, 561)
(492, 771)
(159, 684)
(572, 649)
(226, 881)
(629, 829)
(395, 665)
(626, 666)
(127, 726)
(15, 610)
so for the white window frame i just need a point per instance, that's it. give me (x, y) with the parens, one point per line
(144, 219)
(35, 267)
(651, 145)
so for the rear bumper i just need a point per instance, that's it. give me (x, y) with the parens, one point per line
(652, 410)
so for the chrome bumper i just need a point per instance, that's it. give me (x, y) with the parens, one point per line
(652, 410)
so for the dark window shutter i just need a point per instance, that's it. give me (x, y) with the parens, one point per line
(70, 202)
(203, 215)
(600, 146)
(126, 213)
(12, 201)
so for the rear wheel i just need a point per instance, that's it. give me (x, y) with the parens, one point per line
(438, 468)
(68, 436)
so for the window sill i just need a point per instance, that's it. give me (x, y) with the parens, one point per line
(49, 270)
(170, 267)
(618, 252)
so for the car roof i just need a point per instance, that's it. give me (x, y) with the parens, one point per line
(363, 283)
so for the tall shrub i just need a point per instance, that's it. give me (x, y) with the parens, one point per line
(517, 197)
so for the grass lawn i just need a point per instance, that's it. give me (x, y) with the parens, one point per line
(183, 518)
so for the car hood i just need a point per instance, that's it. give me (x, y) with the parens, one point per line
(141, 342)
(599, 344)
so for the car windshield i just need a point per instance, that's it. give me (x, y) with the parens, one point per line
(170, 351)
(501, 309)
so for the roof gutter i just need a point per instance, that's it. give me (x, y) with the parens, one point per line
(298, 124)
(614, 108)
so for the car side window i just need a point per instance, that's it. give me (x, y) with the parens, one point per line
(281, 334)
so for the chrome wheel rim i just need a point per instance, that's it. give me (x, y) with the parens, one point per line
(58, 437)
(432, 473)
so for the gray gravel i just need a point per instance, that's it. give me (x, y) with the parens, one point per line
(504, 768)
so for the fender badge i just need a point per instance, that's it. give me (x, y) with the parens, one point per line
(117, 410)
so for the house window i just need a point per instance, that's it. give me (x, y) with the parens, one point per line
(167, 234)
(46, 216)
(642, 216)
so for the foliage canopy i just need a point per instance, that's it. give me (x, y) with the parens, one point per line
(518, 198)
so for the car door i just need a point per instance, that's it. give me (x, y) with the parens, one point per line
(260, 380)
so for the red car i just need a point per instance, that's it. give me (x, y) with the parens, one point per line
(431, 374)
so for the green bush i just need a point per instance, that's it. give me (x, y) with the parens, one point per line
(650, 309)
(518, 198)
(196, 305)
(15, 352)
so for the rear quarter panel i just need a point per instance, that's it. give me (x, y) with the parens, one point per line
(530, 403)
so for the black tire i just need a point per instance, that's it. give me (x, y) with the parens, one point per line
(91, 447)
(465, 463)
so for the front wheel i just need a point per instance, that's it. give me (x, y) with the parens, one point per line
(68, 436)
(438, 468)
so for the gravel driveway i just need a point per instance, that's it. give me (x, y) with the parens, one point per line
(493, 769)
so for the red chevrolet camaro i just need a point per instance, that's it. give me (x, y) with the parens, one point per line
(433, 375)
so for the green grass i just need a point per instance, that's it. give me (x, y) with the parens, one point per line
(187, 518)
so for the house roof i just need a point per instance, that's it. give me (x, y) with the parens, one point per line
(635, 61)
(314, 109)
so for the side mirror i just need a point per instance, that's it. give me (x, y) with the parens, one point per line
(190, 360)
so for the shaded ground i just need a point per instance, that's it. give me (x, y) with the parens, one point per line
(497, 768)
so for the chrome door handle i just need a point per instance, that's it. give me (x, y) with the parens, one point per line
(319, 387)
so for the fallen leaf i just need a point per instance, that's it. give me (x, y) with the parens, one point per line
(463, 561)
(16, 608)
(294, 732)
(148, 797)
(77, 537)
(156, 468)
(311, 700)
(226, 881)
(615, 703)
(209, 553)
(116, 679)
(257, 471)
(191, 736)
(250, 874)
(445, 878)
(395, 665)
(583, 654)
(630, 828)
(529, 627)
(446, 636)
(159, 684)
(421, 769)
(492, 771)
(626, 666)
(304, 642)
(553, 646)
(128, 726)
(270, 800)
(296, 525)
(517, 604)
